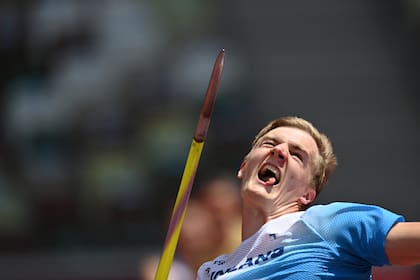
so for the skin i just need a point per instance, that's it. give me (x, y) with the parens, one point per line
(293, 152)
(402, 245)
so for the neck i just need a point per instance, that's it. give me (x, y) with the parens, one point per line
(253, 218)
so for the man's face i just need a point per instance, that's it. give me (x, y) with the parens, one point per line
(278, 170)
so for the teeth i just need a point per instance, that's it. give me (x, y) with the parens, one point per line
(274, 170)
(269, 174)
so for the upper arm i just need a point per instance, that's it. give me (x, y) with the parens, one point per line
(402, 244)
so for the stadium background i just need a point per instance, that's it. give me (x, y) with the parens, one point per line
(99, 101)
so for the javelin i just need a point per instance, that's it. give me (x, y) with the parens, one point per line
(190, 169)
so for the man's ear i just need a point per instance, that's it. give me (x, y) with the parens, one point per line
(239, 175)
(308, 197)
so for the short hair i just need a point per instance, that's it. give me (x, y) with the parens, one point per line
(325, 164)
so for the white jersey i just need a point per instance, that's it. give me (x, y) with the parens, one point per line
(334, 241)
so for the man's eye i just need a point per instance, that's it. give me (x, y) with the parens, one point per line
(297, 155)
(267, 144)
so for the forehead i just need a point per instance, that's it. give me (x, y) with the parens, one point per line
(293, 136)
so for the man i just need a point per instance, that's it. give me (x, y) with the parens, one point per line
(283, 238)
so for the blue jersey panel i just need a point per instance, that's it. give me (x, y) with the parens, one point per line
(334, 241)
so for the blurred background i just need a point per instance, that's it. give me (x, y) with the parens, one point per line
(99, 102)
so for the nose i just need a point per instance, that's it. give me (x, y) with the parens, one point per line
(281, 151)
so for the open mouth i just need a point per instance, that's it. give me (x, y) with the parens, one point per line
(269, 174)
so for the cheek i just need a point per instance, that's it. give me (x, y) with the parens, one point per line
(301, 175)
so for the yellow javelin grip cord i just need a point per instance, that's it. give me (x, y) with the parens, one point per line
(190, 170)
(179, 210)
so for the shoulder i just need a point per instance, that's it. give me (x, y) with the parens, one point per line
(345, 208)
(351, 218)
(353, 228)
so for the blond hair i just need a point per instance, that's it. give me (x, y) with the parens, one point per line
(325, 164)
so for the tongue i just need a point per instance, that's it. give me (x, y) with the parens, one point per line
(271, 180)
